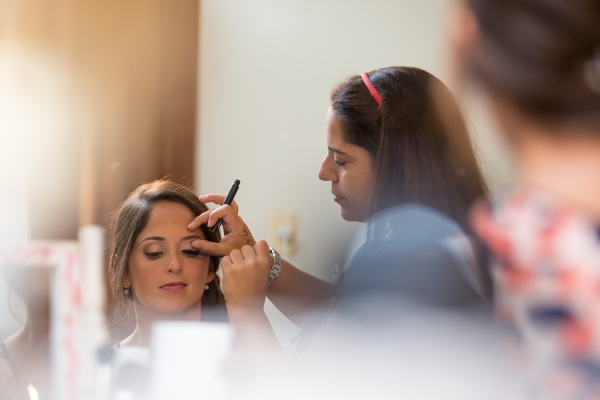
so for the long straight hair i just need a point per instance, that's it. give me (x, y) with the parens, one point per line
(419, 142)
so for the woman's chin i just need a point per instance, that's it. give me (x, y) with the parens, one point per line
(352, 215)
(173, 309)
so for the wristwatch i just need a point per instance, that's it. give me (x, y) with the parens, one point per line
(276, 267)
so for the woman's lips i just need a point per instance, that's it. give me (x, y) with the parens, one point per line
(337, 199)
(173, 286)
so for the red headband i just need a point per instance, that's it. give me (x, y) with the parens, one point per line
(372, 89)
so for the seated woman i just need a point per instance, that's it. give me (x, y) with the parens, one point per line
(395, 136)
(154, 273)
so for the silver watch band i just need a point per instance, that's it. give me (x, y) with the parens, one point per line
(276, 267)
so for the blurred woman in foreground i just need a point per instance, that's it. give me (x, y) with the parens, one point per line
(539, 64)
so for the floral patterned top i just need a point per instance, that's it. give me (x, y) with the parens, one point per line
(547, 282)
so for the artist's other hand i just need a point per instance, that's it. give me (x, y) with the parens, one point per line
(236, 233)
(246, 277)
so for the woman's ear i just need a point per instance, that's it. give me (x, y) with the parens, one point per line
(464, 36)
(113, 263)
(463, 28)
(209, 277)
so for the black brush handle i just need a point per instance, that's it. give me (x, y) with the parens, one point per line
(228, 201)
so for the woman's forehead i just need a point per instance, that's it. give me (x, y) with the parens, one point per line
(170, 219)
(335, 134)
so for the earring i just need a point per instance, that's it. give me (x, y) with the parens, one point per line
(126, 291)
(206, 287)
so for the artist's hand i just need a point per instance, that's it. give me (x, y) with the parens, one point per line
(236, 233)
(246, 277)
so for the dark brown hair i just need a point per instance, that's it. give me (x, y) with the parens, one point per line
(542, 55)
(131, 218)
(419, 142)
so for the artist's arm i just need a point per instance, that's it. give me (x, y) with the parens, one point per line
(298, 295)
(295, 293)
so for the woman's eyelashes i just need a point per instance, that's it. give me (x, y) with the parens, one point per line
(153, 254)
(339, 163)
(191, 252)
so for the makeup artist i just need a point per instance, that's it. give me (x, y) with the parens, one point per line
(395, 136)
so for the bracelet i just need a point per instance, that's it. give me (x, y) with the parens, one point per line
(276, 267)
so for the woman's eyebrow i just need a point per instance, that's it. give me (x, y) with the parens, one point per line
(334, 150)
(153, 238)
(192, 237)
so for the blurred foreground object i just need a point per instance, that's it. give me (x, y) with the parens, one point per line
(425, 353)
(548, 274)
(75, 303)
(188, 360)
(538, 65)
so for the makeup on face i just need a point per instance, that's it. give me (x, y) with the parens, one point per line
(173, 286)
(167, 274)
(189, 251)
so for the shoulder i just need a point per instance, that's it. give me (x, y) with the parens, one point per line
(414, 223)
(414, 251)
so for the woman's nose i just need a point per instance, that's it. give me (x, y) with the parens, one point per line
(174, 265)
(326, 173)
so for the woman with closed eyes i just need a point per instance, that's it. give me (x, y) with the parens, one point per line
(154, 272)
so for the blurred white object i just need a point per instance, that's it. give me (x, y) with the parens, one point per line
(61, 258)
(65, 298)
(93, 329)
(77, 322)
(33, 394)
(130, 373)
(187, 360)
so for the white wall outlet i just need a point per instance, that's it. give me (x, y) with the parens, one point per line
(282, 232)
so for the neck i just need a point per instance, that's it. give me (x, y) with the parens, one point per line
(38, 319)
(564, 163)
(29, 347)
(36, 330)
(146, 317)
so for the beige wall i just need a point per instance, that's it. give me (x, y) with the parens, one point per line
(266, 71)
